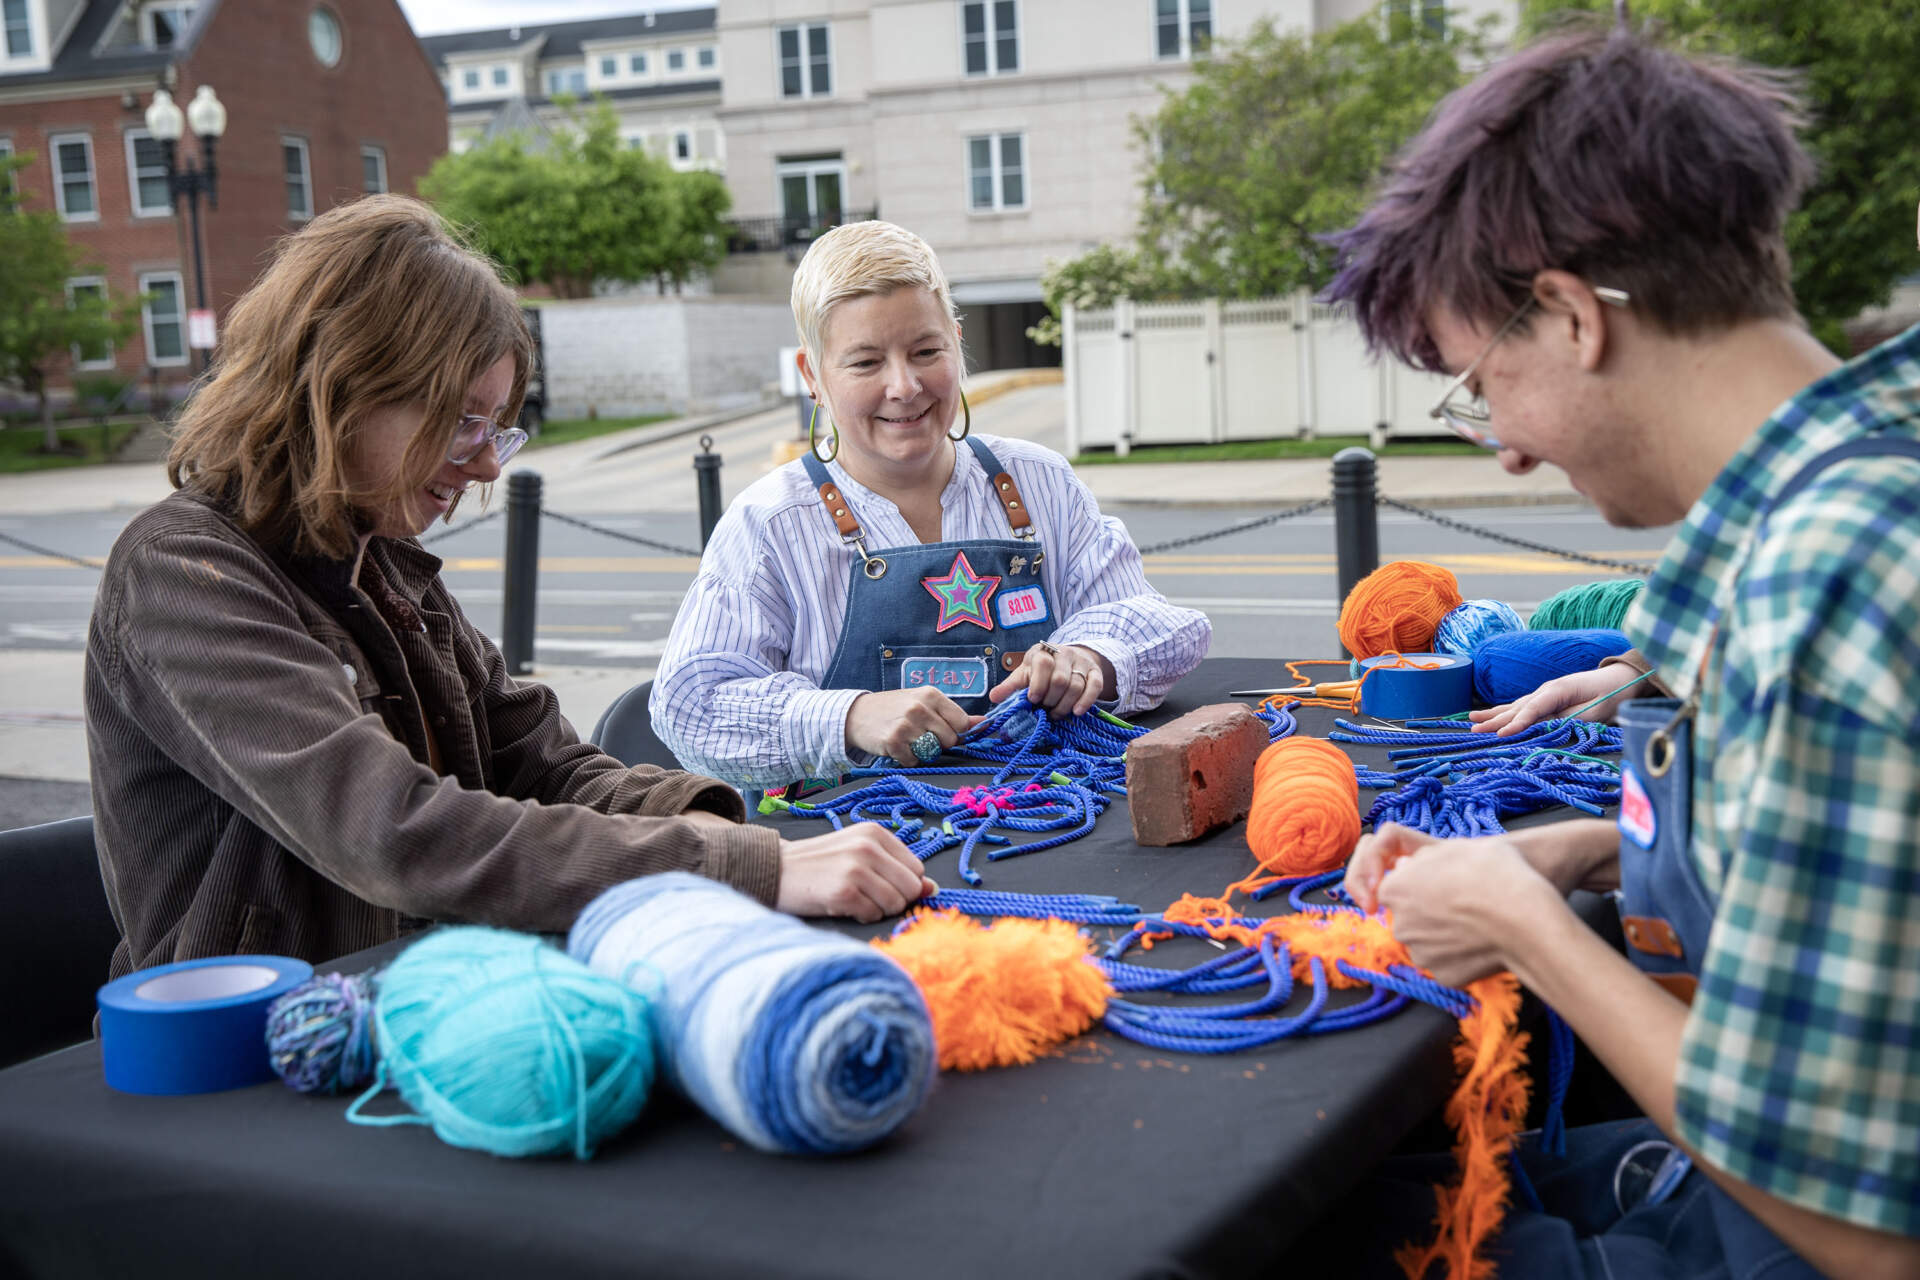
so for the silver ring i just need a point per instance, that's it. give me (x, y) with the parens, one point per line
(1078, 675)
(926, 747)
(1047, 649)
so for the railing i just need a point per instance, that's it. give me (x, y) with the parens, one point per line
(785, 231)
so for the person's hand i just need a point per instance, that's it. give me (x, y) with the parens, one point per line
(1559, 696)
(1456, 905)
(862, 871)
(1066, 680)
(1567, 855)
(885, 724)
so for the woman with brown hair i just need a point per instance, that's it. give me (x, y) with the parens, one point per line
(299, 743)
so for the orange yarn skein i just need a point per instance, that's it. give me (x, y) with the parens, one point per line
(1397, 608)
(1306, 807)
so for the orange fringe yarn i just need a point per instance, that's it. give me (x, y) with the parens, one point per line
(1397, 608)
(1305, 816)
(1000, 994)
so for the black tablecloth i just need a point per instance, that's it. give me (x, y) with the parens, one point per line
(1109, 1161)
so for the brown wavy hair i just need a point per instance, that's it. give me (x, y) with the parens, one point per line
(373, 303)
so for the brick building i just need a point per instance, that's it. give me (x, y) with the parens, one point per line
(325, 101)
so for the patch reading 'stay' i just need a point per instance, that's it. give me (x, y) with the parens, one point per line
(1021, 607)
(955, 677)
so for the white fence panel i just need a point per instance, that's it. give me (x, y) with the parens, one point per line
(1346, 384)
(1259, 370)
(1096, 382)
(1411, 393)
(1172, 373)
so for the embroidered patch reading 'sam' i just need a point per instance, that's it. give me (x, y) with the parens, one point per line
(955, 677)
(1637, 818)
(1022, 607)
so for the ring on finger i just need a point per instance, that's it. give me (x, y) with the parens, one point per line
(926, 747)
(1047, 649)
(1078, 675)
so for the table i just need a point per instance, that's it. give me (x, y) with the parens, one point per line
(1109, 1161)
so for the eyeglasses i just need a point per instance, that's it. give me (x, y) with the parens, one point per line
(476, 432)
(1469, 416)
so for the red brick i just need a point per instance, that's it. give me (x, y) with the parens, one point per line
(1193, 775)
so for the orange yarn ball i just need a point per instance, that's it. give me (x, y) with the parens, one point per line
(1397, 608)
(1000, 994)
(1306, 807)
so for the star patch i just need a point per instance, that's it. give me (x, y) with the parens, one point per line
(963, 595)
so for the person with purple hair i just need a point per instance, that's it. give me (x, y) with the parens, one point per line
(1589, 240)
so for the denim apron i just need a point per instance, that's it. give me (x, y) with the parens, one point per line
(954, 617)
(1665, 910)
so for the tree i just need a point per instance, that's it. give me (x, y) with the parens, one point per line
(1275, 144)
(40, 325)
(581, 207)
(1852, 238)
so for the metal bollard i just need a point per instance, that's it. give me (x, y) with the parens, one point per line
(1356, 525)
(523, 571)
(706, 473)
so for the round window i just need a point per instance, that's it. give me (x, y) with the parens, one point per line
(323, 32)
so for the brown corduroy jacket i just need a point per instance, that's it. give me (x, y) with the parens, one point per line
(289, 760)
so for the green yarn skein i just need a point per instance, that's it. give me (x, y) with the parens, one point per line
(1594, 604)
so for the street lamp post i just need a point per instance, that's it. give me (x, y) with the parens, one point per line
(167, 123)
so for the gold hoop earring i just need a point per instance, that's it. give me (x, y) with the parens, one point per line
(814, 418)
(966, 424)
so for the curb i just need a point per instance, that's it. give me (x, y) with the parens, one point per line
(678, 427)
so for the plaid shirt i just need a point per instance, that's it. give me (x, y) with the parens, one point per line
(1800, 1066)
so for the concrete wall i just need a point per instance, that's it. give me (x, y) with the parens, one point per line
(616, 357)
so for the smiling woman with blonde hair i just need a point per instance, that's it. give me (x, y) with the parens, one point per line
(299, 743)
(866, 601)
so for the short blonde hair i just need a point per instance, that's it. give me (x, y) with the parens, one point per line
(859, 260)
(372, 303)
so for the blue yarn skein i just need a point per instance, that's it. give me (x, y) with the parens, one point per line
(795, 1039)
(505, 1044)
(320, 1034)
(1513, 664)
(1468, 624)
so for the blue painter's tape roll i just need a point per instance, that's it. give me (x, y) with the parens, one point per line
(198, 1026)
(1439, 684)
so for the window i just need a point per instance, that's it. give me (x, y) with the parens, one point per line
(997, 172)
(100, 355)
(805, 63)
(637, 63)
(572, 80)
(373, 169)
(810, 192)
(73, 175)
(471, 78)
(499, 77)
(1182, 28)
(707, 57)
(676, 59)
(682, 145)
(293, 160)
(161, 317)
(19, 28)
(1409, 18)
(162, 25)
(7, 183)
(323, 36)
(147, 175)
(990, 37)
(609, 68)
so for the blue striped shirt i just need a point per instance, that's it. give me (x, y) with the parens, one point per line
(738, 694)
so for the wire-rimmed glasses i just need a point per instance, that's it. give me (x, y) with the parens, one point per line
(1468, 416)
(475, 432)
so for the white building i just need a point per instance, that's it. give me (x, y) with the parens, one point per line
(1000, 130)
(661, 72)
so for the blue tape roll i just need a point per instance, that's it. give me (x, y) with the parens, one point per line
(1441, 685)
(198, 1026)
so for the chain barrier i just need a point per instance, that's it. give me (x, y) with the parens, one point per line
(667, 547)
(57, 555)
(1619, 566)
(474, 523)
(1242, 527)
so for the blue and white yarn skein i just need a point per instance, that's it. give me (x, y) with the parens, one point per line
(795, 1039)
(1514, 664)
(1466, 625)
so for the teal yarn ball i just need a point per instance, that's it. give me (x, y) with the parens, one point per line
(1473, 621)
(1591, 606)
(503, 1043)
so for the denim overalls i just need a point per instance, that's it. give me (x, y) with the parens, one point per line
(1665, 910)
(950, 616)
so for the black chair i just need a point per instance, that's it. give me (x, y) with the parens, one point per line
(625, 731)
(56, 937)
